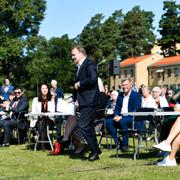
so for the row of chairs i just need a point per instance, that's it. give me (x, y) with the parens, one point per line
(140, 138)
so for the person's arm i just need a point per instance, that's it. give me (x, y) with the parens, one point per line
(117, 111)
(91, 80)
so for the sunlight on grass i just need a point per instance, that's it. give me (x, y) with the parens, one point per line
(18, 162)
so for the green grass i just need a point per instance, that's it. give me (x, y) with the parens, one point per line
(18, 162)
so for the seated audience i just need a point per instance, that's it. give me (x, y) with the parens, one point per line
(127, 101)
(135, 87)
(5, 90)
(147, 100)
(171, 145)
(18, 104)
(43, 103)
(161, 101)
(112, 103)
(57, 93)
(170, 99)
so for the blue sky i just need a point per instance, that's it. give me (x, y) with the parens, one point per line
(70, 16)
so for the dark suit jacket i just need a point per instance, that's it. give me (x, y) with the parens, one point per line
(23, 105)
(59, 93)
(133, 104)
(88, 92)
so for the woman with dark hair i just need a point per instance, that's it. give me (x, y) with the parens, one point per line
(43, 103)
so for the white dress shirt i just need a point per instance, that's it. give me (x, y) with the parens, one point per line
(124, 108)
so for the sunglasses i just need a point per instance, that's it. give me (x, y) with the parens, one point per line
(18, 92)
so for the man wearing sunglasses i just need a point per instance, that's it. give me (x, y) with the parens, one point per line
(16, 110)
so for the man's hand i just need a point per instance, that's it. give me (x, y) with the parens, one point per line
(77, 85)
(1, 97)
(117, 118)
(5, 104)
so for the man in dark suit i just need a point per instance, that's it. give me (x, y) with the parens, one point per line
(86, 87)
(127, 101)
(18, 105)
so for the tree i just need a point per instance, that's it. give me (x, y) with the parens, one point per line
(111, 35)
(19, 22)
(169, 28)
(137, 33)
(51, 60)
(90, 37)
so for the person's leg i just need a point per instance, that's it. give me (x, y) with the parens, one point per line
(86, 126)
(125, 123)
(175, 147)
(166, 144)
(58, 122)
(42, 130)
(110, 125)
(8, 126)
(70, 125)
(175, 130)
(79, 147)
(170, 160)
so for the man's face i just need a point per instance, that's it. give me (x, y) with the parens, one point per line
(126, 86)
(76, 55)
(18, 93)
(156, 94)
(53, 84)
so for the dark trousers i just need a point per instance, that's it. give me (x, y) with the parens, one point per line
(42, 128)
(58, 120)
(123, 124)
(8, 125)
(86, 126)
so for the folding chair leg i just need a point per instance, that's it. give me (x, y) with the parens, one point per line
(134, 146)
(156, 136)
(117, 151)
(35, 146)
(49, 139)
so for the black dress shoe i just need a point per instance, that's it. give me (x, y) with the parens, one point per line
(124, 148)
(99, 152)
(5, 145)
(65, 144)
(81, 152)
(93, 157)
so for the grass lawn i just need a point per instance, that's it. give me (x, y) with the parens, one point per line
(19, 162)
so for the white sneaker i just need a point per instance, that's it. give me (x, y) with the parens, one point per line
(167, 162)
(163, 146)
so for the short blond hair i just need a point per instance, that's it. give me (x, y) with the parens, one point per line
(80, 49)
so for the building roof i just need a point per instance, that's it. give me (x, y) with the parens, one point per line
(133, 60)
(167, 61)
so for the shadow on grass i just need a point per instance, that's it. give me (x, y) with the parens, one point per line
(142, 155)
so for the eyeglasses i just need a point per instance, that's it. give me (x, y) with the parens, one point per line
(18, 92)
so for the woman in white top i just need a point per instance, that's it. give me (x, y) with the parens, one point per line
(161, 101)
(43, 103)
(147, 100)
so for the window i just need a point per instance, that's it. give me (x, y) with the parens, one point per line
(152, 74)
(125, 73)
(169, 72)
(132, 72)
(159, 75)
(176, 72)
